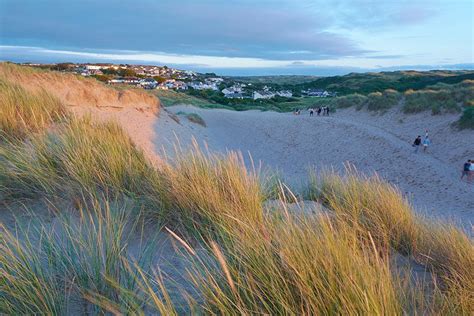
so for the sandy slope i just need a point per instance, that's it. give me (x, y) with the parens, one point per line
(293, 144)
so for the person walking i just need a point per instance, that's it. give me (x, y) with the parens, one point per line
(311, 112)
(470, 176)
(319, 111)
(417, 143)
(426, 143)
(466, 169)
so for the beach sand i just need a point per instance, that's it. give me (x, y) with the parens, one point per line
(371, 142)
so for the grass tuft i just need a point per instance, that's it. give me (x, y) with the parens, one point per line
(23, 112)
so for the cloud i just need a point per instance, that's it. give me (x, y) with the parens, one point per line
(278, 30)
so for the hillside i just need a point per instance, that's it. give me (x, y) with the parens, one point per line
(401, 81)
(134, 109)
(74, 90)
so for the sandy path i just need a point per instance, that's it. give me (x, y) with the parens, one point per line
(293, 144)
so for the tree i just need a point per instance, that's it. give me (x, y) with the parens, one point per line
(159, 79)
(127, 73)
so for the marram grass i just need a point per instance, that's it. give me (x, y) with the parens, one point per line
(243, 259)
(22, 111)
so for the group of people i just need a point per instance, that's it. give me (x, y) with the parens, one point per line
(419, 142)
(468, 167)
(324, 110)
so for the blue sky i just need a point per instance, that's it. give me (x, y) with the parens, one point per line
(319, 37)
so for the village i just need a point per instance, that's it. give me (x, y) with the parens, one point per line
(166, 78)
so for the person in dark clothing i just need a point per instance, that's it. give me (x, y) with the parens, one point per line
(466, 169)
(417, 143)
(311, 112)
(319, 111)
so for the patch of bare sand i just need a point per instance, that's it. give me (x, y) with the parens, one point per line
(372, 143)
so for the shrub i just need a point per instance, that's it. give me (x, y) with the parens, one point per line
(357, 100)
(378, 101)
(467, 118)
(196, 118)
(435, 100)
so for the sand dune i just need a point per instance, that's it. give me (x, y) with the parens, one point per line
(372, 143)
(74, 90)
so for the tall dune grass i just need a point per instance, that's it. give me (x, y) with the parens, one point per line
(251, 260)
(22, 112)
(381, 209)
(296, 265)
(58, 268)
(382, 101)
(80, 155)
(208, 187)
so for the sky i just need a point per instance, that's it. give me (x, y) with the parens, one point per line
(243, 37)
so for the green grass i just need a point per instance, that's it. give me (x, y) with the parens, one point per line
(378, 101)
(171, 97)
(467, 118)
(365, 83)
(193, 117)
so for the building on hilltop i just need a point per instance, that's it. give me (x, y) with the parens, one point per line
(285, 93)
(263, 95)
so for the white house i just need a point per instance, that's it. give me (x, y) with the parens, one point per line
(285, 93)
(148, 83)
(203, 86)
(94, 67)
(263, 95)
(234, 96)
(320, 93)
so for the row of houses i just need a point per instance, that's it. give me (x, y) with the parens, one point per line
(320, 93)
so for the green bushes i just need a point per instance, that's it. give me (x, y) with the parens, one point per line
(434, 100)
(378, 101)
(440, 98)
(196, 118)
(357, 100)
(467, 118)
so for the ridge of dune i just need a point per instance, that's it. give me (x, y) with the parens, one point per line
(134, 109)
(75, 90)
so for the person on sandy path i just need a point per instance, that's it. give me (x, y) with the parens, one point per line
(466, 169)
(417, 143)
(311, 112)
(426, 143)
(319, 111)
(470, 176)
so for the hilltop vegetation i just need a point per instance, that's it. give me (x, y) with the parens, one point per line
(400, 81)
(435, 91)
